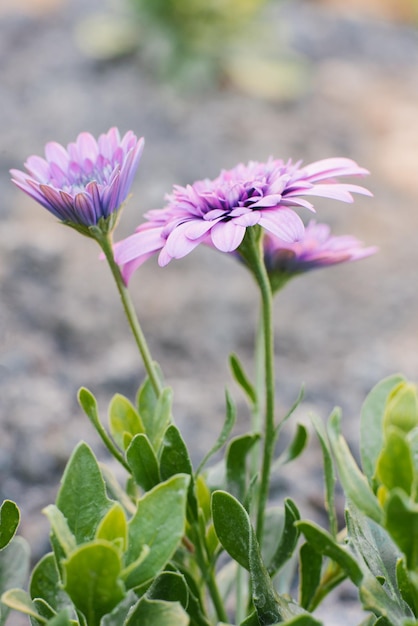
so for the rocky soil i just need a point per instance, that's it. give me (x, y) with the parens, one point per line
(61, 325)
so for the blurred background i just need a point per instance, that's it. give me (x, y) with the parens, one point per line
(209, 84)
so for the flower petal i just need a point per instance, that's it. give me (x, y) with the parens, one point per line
(145, 241)
(284, 223)
(227, 236)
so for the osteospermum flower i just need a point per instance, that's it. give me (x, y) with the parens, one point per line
(218, 212)
(85, 183)
(317, 248)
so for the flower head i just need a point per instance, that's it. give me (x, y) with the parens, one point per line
(218, 212)
(86, 182)
(317, 248)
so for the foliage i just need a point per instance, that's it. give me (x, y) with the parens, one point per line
(181, 546)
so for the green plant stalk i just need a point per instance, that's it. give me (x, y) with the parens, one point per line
(240, 613)
(105, 242)
(332, 577)
(208, 574)
(254, 257)
(256, 408)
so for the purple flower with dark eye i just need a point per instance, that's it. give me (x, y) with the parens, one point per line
(86, 183)
(218, 212)
(317, 248)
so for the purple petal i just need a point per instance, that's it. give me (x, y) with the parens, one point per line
(129, 169)
(326, 168)
(338, 191)
(54, 199)
(109, 142)
(38, 168)
(87, 147)
(196, 229)
(227, 236)
(56, 153)
(146, 241)
(129, 268)
(110, 196)
(31, 188)
(85, 210)
(249, 219)
(267, 201)
(284, 223)
(178, 244)
(93, 190)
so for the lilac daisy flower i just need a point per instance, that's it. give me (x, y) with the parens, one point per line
(317, 248)
(85, 183)
(218, 212)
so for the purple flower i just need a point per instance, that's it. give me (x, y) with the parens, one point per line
(87, 181)
(218, 212)
(317, 248)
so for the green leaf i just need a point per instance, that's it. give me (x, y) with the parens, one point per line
(230, 418)
(14, 566)
(20, 600)
(157, 613)
(44, 608)
(9, 521)
(329, 473)
(146, 399)
(114, 527)
(62, 619)
(375, 598)
(310, 574)
(170, 586)
(402, 524)
(296, 446)
(250, 620)
(89, 405)
(264, 596)
(412, 439)
(232, 526)
(123, 419)
(118, 616)
(402, 408)
(405, 585)
(117, 492)
(371, 425)
(162, 418)
(92, 579)
(60, 529)
(288, 540)
(174, 456)
(325, 544)
(290, 411)
(143, 462)
(273, 530)
(236, 457)
(354, 483)
(45, 583)
(395, 466)
(303, 620)
(158, 523)
(175, 459)
(373, 547)
(242, 379)
(82, 496)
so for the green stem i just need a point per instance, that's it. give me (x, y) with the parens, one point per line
(209, 577)
(257, 408)
(105, 243)
(254, 253)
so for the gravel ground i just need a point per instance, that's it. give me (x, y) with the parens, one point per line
(61, 325)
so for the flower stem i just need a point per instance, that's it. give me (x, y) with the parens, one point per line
(254, 255)
(207, 571)
(105, 242)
